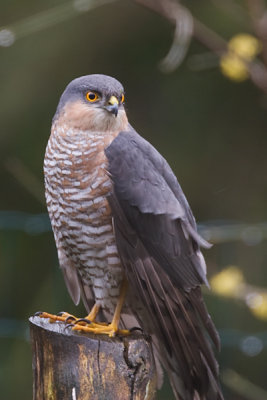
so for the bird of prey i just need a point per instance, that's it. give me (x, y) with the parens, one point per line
(126, 237)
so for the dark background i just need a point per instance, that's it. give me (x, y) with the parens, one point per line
(211, 130)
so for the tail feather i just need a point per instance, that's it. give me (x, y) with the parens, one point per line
(173, 309)
(198, 302)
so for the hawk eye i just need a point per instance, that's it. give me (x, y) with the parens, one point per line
(122, 98)
(92, 97)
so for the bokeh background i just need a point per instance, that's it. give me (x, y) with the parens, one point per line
(208, 120)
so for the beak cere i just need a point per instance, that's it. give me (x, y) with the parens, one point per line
(113, 105)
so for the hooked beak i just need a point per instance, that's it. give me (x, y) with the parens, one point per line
(113, 105)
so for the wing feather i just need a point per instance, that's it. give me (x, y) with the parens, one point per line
(158, 245)
(159, 212)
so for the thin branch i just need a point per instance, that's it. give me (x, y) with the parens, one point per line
(45, 19)
(181, 17)
(256, 8)
(186, 27)
(258, 16)
(209, 38)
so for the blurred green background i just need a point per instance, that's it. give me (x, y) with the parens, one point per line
(211, 130)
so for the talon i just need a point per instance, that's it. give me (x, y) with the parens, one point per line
(68, 326)
(38, 313)
(70, 318)
(87, 321)
(136, 328)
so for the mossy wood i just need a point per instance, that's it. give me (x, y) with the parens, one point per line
(71, 366)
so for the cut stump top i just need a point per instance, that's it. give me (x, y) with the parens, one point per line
(71, 365)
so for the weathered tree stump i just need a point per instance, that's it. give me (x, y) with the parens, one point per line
(68, 365)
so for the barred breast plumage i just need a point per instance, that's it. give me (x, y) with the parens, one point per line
(77, 186)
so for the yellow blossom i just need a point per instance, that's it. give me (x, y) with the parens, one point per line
(245, 46)
(233, 67)
(259, 309)
(242, 49)
(227, 282)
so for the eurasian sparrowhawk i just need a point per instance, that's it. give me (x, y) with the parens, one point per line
(126, 237)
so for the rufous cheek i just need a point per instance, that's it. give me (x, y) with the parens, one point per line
(79, 115)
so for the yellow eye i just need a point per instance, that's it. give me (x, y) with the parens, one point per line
(92, 97)
(122, 98)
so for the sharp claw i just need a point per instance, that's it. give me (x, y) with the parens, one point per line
(70, 318)
(68, 326)
(87, 321)
(136, 328)
(38, 313)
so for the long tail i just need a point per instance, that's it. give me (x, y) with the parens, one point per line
(191, 352)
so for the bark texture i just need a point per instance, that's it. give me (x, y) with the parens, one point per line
(71, 366)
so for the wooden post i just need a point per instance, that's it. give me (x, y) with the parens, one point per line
(68, 365)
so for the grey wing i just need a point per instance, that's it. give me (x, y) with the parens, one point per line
(154, 204)
(159, 248)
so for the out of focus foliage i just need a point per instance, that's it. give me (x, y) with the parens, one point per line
(242, 49)
(208, 118)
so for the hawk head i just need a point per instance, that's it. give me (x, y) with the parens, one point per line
(93, 102)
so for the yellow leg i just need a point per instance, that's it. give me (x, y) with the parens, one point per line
(90, 318)
(107, 329)
(93, 313)
(117, 314)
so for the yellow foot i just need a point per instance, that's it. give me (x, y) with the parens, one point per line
(99, 328)
(89, 324)
(85, 324)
